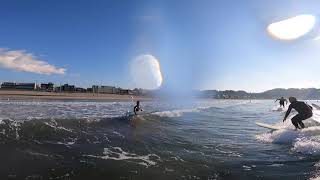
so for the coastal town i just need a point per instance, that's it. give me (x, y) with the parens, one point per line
(50, 89)
(67, 88)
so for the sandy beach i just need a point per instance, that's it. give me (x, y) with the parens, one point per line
(36, 95)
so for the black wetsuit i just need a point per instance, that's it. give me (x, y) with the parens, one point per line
(304, 112)
(136, 109)
(281, 101)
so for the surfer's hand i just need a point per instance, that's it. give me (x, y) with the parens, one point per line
(283, 120)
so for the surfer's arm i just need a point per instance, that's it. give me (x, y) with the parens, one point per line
(287, 113)
(276, 100)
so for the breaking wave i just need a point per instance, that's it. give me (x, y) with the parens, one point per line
(305, 141)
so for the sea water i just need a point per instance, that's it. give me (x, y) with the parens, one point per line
(205, 139)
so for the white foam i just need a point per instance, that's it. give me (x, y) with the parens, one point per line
(315, 178)
(276, 165)
(307, 146)
(311, 131)
(305, 141)
(54, 125)
(308, 142)
(116, 153)
(316, 174)
(175, 113)
(279, 109)
(119, 134)
(246, 168)
(177, 158)
(282, 136)
(13, 125)
(62, 110)
(316, 115)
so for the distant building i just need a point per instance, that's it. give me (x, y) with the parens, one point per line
(26, 86)
(46, 87)
(66, 88)
(95, 88)
(8, 85)
(125, 91)
(89, 90)
(104, 89)
(18, 86)
(81, 90)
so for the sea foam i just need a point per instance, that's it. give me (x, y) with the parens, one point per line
(305, 141)
(116, 153)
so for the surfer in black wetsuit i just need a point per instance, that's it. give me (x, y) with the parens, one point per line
(303, 109)
(281, 101)
(137, 108)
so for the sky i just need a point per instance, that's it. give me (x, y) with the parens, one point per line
(207, 44)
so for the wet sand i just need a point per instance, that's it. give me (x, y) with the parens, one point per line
(36, 95)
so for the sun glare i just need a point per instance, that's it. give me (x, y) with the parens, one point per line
(292, 28)
(317, 38)
(145, 71)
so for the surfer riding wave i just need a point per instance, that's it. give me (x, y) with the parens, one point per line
(304, 112)
(282, 100)
(137, 108)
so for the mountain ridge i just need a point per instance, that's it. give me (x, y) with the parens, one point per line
(300, 93)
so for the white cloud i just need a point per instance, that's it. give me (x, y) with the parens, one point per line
(26, 62)
(145, 72)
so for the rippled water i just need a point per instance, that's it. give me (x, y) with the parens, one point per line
(211, 139)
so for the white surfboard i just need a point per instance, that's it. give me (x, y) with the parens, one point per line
(268, 126)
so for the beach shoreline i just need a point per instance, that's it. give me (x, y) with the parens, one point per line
(38, 95)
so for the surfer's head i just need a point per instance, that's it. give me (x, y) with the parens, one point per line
(138, 103)
(292, 99)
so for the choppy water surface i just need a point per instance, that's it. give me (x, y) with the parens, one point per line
(202, 140)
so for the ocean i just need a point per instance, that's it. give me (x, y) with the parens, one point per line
(203, 139)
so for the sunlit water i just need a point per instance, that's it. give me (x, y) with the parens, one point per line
(206, 139)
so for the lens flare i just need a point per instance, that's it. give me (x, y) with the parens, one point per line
(292, 28)
(145, 72)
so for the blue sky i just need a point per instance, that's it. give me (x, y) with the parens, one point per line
(220, 44)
